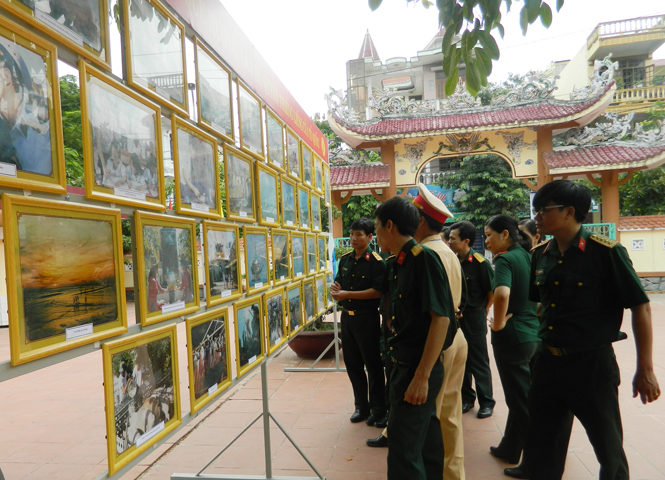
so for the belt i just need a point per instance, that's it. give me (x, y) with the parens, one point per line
(473, 309)
(358, 312)
(563, 351)
(394, 360)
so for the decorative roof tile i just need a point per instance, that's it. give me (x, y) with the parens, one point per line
(389, 81)
(606, 157)
(360, 176)
(645, 222)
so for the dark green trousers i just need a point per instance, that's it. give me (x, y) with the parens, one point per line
(415, 451)
(584, 385)
(474, 326)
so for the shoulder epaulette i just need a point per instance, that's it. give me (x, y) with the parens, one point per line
(390, 257)
(347, 253)
(377, 256)
(415, 251)
(544, 242)
(607, 242)
(478, 257)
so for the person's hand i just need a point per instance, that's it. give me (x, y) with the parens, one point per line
(335, 287)
(338, 294)
(646, 385)
(498, 327)
(416, 394)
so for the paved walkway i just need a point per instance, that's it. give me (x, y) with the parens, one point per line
(52, 425)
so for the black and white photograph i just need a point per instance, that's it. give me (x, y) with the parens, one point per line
(276, 317)
(249, 333)
(294, 299)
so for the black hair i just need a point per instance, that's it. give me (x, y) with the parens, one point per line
(466, 230)
(499, 223)
(7, 61)
(566, 193)
(433, 225)
(364, 224)
(402, 212)
(530, 225)
(446, 233)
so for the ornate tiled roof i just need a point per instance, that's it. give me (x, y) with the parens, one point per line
(368, 175)
(604, 157)
(646, 222)
(368, 50)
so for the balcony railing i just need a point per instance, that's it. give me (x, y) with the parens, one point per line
(634, 96)
(631, 26)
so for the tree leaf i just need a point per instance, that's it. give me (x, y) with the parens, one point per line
(374, 4)
(473, 82)
(524, 20)
(501, 30)
(451, 83)
(546, 15)
(489, 44)
(559, 4)
(480, 64)
(485, 58)
(533, 9)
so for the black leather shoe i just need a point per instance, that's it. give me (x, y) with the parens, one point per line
(485, 412)
(466, 407)
(379, 441)
(502, 456)
(382, 422)
(517, 472)
(359, 416)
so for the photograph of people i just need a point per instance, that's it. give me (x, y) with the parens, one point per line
(249, 334)
(222, 261)
(295, 309)
(298, 255)
(209, 355)
(275, 312)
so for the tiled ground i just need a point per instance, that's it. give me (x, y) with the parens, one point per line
(52, 425)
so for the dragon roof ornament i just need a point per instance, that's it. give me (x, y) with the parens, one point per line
(615, 132)
(538, 84)
(603, 73)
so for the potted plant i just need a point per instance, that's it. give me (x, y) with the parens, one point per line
(315, 338)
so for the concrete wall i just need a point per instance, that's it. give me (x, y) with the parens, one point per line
(574, 75)
(429, 84)
(646, 249)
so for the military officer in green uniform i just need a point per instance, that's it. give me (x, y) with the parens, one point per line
(421, 307)
(476, 301)
(584, 282)
(359, 284)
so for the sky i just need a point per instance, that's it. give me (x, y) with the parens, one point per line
(308, 42)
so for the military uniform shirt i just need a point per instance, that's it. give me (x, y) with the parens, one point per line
(479, 275)
(417, 284)
(356, 275)
(583, 291)
(511, 269)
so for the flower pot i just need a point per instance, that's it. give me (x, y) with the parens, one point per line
(310, 345)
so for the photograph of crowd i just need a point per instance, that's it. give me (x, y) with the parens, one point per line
(222, 249)
(214, 88)
(209, 354)
(239, 180)
(298, 250)
(288, 203)
(293, 154)
(295, 308)
(249, 334)
(197, 169)
(251, 133)
(25, 118)
(280, 256)
(275, 313)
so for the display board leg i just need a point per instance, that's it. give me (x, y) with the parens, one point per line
(2, 477)
(267, 448)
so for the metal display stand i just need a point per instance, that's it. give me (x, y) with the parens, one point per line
(266, 415)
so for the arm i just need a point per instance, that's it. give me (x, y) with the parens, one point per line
(416, 394)
(644, 382)
(490, 301)
(501, 297)
(368, 294)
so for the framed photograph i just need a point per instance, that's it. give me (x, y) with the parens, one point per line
(311, 263)
(31, 150)
(142, 393)
(326, 184)
(257, 267)
(329, 283)
(288, 202)
(281, 264)
(316, 212)
(275, 135)
(321, 303)
(318, 174)
(275, 318)
(155, 53)
(167, 263)
(196, 166)
(239, 176)
(209, 356)
(250, 344)
(122, 143)
(322, 243)
(268, 202)
(298, 254)
(309, 295)
(306, 156)
(65, 275)
(81, 25)
(294, 299)
(221, 255)
(214, 93)
(303, 208)
(251, 125)
(293, 154)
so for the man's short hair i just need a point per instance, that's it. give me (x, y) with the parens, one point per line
(364, 224)
(446, 232)
(402, 212)
(566, 193)
(467, 230)
(433, 225)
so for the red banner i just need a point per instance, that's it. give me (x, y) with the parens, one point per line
(213, 23)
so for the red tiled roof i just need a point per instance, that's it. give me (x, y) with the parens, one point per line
(616, 156)
(531, 113)
(388, 81)
(366, 175)
(368, 50)
(646, 222)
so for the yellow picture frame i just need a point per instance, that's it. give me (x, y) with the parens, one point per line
(307, 170)
(326, 184)
(304, 209)
(239, 182)
(163, 393)
(205, 57)
(203, 207)
(267, 189)
(42, 166)
(248, 356)
(309, 300)
(277, 156)
(281, 257)
(173, 25)
(98, 184)
(250, 126)
(315, 212)
(257, 262)
(287, 201)
(318, 173)
(204, 344)
(322, 265)
(65, 35)
(293, 158)
(311, 254)
(281, 335)
(216, 249)
(297, 255)
(296, 318)
(49, 245)
(329, 283)
(320, 288)
(152, 308)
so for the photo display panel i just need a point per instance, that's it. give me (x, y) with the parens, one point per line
(215, 101)
(250, 337)
(221, 253)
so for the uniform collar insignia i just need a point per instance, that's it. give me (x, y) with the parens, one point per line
(581, 244)
(367, 256)
(401, 258)
(469, 258)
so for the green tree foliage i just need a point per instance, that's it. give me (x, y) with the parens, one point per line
(70, 100)
(493, 90)
(469, 37)
(355, 208)
(490, 188)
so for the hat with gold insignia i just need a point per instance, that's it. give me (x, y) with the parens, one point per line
(432, 206)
